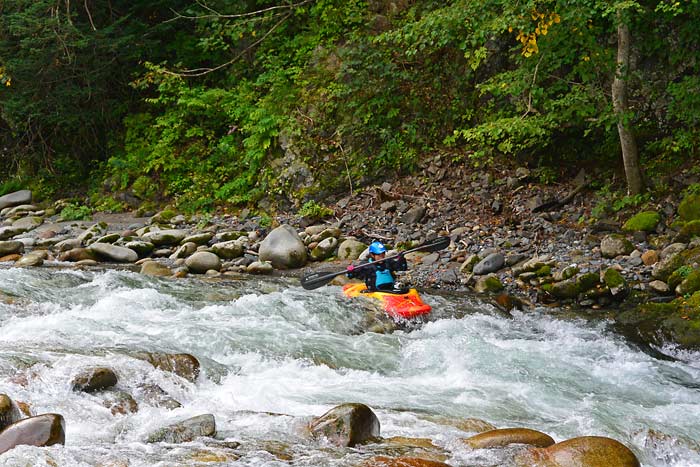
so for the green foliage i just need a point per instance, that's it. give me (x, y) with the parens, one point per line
(11, 185)
(74, 212)
(314, 210)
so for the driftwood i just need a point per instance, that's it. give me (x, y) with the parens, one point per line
(554, 204)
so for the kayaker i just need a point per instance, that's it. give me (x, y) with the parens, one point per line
(378, 276)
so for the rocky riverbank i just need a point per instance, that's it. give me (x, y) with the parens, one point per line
(519, 243)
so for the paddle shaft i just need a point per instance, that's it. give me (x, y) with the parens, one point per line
(318, 279)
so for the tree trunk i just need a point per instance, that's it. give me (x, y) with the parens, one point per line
(628, 143)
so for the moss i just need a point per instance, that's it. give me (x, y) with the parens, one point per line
(678, 276)
(545, 270)
(690, 284)
(587, 281)
(493, 284)
(689, 208)
(689, 230)
(613, 278)
(645, 221)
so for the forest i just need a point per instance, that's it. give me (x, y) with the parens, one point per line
(218, 103)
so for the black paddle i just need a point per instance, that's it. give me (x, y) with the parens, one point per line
(318, 279)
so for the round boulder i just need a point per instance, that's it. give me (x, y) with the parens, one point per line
(283, 248)
(580, 452)
(203, 261)
(505, 436)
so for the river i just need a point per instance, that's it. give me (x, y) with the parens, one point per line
(274, 355)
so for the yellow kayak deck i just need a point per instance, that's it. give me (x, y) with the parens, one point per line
(397, 305)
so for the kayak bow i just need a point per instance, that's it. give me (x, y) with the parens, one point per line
(397, 305)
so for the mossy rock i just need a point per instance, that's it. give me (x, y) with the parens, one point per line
(644, 221)
(587, 281)
(689, 208)
(690, 284)
(677, 277)
(689, 230)
(661, 323)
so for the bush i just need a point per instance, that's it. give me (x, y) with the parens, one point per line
(75, 212)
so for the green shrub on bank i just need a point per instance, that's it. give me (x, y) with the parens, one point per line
(75, 212)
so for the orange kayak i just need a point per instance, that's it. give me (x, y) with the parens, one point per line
(397, 305)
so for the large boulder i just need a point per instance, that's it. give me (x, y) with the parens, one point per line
(15, 199)
(351, 249)
(346, 425)
(42, 430)
(9, 412)
(586, 451)
(283, 248)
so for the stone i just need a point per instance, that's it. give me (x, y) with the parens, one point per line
(259, 267)
(77, 254)
(283, 248)
(325, 249)
(11, 247)
(414, 215)
(9, 412)
(586, 451)
(165, 237)
(228, 250)
(184, 365)
(505, 436)
(32, 259)
(185, 431)
(350, 249)
(688, 209)
(94, 379)
(664, 268)
(42, 430)
(645, 221)
(346, 425)
(488, 283)
(382, 461)
(659, 287)
(156, 269)
(491, 263)
(118, 254)
(16, 198)
(650, 257)
(203, 261)
(615, 245)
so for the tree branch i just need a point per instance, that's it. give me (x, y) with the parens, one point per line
(216, 14)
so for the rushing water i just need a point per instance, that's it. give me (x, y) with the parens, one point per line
(274, 355)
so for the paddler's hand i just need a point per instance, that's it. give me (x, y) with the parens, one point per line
(350, 268)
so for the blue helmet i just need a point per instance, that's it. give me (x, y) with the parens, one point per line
(377, 248)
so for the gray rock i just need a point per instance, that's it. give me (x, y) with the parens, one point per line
(185, 431)
(203, 261)
(9, 232)
(414, 215)
(491, 263)
(346, 425)
(664, 268)
(672, 249)
(69, 244)
(141, 247)
(185, 250)
(165, 237)
(199, 238)
(615, 245)
(77, 254)
(351, 249)
(114, 253)
(325, 249)
(156, 269)
(659, 287)
(228, 250)
(11, 247)
(283, 248)
(15, 199)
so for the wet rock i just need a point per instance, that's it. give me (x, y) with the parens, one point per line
(140, 247)
(118, 254)
(11, 247)
(505, 436)
(586, 451)
(347, 425)
(32, 259)
(156, 269)
(156, 396)
(184, 365)
(9, 412)
(77, 254)
(259, 267)
(382, 461)
(119, 402)
(324, 249)
(184, 250)
(664, 268)
(42, 430)
(185, 431)
(94, 379)
(228, 250)
(203, 261)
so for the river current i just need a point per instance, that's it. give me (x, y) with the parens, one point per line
(274, 355)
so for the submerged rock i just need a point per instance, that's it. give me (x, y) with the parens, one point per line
(182, 364)
(381, 461)
(347, 425)
(94, 379)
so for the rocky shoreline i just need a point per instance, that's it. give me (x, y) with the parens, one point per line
(517, 243)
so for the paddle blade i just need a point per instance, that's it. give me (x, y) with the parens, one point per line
(318, 279)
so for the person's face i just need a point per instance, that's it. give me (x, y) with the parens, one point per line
(378, 256)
